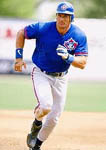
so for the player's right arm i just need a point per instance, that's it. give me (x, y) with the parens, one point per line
(20, 40)
(29, 32)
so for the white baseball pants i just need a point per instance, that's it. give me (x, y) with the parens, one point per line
(50, 92)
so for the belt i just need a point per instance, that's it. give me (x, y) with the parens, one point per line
(55, 74)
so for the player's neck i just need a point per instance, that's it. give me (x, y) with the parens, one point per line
(62, 30)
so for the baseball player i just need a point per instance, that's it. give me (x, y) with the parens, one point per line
(59, 44)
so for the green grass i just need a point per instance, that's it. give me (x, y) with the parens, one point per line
(17, 93)
(86, 97)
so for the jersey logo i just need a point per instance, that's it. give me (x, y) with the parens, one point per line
(70, 44)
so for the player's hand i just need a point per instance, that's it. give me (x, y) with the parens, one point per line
(19, 63)
(62, 51)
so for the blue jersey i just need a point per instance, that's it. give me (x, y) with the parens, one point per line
(47, 40)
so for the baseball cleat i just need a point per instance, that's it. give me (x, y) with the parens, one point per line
(31, 137)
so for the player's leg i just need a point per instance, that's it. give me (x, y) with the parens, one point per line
(43, 94)
(59, 96)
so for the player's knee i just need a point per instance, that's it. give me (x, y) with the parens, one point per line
(53, 121)
(40, 112)
(43, 112)
(46, 111)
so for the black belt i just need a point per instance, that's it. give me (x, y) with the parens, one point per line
(55, 74)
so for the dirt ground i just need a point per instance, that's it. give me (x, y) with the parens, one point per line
(75, 131)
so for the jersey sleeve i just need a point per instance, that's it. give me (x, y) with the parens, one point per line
(82, 48)
(31, 31)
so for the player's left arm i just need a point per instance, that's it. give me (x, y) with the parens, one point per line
(76, 61)
(79, 61)
(81, 53)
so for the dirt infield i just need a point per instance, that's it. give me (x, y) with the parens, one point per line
(75, 131)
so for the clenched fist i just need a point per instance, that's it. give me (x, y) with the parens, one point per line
(19, 63)
(62, 51)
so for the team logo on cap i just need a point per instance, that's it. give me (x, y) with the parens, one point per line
(64, 7)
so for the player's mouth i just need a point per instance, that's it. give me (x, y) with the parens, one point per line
(61, 23)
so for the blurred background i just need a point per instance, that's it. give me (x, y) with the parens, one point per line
(87, 88)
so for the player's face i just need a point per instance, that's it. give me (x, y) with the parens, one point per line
(63, 21)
